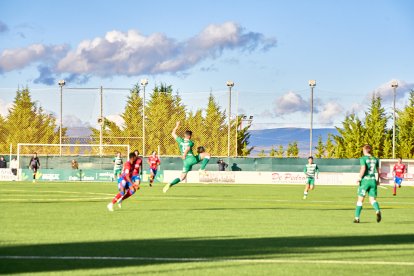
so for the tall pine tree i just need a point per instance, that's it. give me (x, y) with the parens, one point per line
(375, 126)
(405, 126)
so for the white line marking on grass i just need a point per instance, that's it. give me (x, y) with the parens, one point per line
(60, 192)
(230, 260)
(79, 199)
(383, 187)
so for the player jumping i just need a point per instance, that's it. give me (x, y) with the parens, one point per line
(398, 173)
(368, 182)
(153, 162)
(189, 159)
(125, 181)
(311, 171)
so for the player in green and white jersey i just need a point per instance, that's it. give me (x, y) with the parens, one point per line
(368, 182)
(189, 159)
(118, 164)
(311, 171)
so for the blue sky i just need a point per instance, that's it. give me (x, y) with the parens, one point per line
(270, 49)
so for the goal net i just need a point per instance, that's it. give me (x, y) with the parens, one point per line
(64, 153)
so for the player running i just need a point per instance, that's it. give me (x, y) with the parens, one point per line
(118, 164)
(124, 181)
(34, 165)
(136, 179)
(153, 162)
(368, 182)
(311, 171)
(398, 172)
(189, 159)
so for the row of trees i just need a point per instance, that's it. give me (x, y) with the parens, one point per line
(28, 123)
(163, 109)
(375, 129)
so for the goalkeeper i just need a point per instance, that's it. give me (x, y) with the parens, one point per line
(189, 159)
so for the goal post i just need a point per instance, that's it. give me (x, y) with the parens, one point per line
(70, 150)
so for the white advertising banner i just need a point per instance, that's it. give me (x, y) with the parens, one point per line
(250, 177)
(7, 175)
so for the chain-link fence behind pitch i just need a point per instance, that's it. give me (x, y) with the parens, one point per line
(115, 116)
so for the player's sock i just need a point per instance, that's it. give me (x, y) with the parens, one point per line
(395, 190)
(376, 206)
(205, 162)
(175, 181)
(358, 209)
(117, 197)
(128, 194)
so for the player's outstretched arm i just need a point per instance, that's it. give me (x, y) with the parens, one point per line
(377, 177)
(361, 173)
(174, 131)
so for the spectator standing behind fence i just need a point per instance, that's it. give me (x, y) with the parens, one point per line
(75, 164)
(222, 165)
(34, 165)
(14, 165)
(3, 163)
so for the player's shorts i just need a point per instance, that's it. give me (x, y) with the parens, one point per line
(135, 178)
(368, 186)
(123, 184)
(398, 180)
(153, 171)
(310, 181)
(34, 168)
(189, 162)
(117, 172)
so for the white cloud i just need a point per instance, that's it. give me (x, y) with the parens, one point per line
(329, 111)
(386, 92)
(18, 58)
(4, 107)
(290, 102)
(117, 119)
(132, 53)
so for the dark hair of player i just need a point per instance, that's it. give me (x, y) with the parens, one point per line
(132, 155)
(201, 149)
(310, 157)
(153, 152)
(188, 133)
(399, 158)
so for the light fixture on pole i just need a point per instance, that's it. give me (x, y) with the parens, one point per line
(230, 85)
(144, 83)
(312, 84)
(61, 84)
(394, 85)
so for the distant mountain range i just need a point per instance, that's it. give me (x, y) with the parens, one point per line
(266, 138)
(261, 139)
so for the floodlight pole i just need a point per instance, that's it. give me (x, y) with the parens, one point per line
(61, 84)
(229, 84)
(237, 121)
(144, 83)
(101, 122)
(394, 85)
(312, 84)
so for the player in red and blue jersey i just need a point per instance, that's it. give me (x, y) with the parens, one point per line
(153, 162)
(135, 179)
(125, 181)
(398, 172)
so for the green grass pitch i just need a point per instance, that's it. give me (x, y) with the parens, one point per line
(65, 229)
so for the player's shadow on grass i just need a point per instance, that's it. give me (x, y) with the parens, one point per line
(178, 249)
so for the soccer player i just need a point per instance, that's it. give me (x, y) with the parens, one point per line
(189, 159)
(135, 179)
(153, 162)
(311, 171)
(398, 173)
(124, 181)
(118, 164)
(34, 165)
(368, 182)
